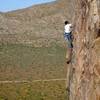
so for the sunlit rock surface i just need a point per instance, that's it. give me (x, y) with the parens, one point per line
(84, 80)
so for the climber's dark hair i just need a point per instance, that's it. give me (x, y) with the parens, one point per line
(66, 22)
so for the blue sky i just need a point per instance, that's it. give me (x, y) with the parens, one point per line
(9, 5)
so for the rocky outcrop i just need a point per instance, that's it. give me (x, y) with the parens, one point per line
(84, 76)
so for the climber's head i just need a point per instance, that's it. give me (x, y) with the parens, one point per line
(66, 22)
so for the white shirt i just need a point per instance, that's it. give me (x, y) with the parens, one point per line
(68, 28)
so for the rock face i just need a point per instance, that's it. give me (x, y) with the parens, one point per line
(84, 76)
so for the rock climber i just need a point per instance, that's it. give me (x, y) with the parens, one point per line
(69, 39)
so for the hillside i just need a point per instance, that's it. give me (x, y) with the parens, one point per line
(31, 49)
(37, 23)
(31, 42)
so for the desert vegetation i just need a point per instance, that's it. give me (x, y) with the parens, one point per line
(34, 91)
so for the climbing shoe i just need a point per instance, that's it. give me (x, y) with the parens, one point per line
(68, 61)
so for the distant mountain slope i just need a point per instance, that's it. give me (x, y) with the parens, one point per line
(39, 21)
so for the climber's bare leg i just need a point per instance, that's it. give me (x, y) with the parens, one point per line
(69, 55)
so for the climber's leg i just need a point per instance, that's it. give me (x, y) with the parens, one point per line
(69, 51)
(69, 41)
(69, 55)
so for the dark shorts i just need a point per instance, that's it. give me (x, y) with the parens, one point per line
(69, 40)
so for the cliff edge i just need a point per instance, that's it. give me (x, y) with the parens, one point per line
(84, 81)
